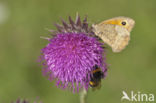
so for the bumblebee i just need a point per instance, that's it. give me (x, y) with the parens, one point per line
(95, 77)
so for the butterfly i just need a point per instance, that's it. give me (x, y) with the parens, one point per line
(115, 32)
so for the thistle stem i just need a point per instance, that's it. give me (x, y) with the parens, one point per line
(83, 96)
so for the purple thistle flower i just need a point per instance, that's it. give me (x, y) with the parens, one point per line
(71, 55)
(24, 101)
(20, 101)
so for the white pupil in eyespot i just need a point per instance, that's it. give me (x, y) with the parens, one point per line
(123, 23)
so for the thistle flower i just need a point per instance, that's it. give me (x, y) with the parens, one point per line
(24, 101)
(20, 101)
(71, 54)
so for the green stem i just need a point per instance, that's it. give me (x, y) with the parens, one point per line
(83, 96)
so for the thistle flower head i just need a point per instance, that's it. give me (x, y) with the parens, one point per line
(20, 101)
(71, 55)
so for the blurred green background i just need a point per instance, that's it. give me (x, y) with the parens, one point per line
(22, 22)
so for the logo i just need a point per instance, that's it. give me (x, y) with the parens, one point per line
(137, 96)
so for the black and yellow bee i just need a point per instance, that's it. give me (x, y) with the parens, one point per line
(95, 77)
